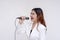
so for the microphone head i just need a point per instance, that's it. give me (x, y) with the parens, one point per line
(27, 18)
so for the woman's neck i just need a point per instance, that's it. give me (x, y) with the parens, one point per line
(33, 25)
(34, 22)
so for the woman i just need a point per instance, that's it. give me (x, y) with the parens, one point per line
(36, 30)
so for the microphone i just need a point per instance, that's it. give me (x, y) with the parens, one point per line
(27, 18)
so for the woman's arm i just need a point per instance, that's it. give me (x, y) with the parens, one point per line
(42, 33)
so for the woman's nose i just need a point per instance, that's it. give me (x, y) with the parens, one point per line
(30, 15)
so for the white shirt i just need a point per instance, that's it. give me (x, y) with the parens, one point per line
(38, 33)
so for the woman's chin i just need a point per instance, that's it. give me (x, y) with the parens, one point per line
(32, 20)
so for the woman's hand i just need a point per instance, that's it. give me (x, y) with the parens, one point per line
(22, 20)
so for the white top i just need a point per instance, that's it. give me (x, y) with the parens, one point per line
(38, 33)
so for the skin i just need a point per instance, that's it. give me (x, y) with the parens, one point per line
(33, 17)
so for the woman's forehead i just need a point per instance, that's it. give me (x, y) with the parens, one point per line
(33, 11)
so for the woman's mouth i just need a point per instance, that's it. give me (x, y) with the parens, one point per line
(31, 17)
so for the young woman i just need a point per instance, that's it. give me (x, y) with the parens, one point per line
(36, 30)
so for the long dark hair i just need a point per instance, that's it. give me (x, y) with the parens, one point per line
(40, 16)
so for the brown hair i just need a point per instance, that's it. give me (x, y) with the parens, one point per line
(40, 16)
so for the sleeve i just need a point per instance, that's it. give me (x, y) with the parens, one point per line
(21, 30)
(20, 27)
(23, 26)
(42, 33)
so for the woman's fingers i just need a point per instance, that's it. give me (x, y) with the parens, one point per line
(22, 20)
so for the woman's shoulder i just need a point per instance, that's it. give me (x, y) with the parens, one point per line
(41, 27)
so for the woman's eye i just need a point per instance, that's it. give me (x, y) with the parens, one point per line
(32, 13)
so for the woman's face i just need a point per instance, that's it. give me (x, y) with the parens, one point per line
(33, 16)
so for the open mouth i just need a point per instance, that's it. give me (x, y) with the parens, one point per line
(32, 18)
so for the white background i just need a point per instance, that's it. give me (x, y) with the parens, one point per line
(10, 9)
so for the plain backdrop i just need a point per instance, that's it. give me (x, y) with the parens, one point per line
(10, 9)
